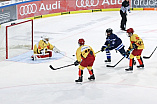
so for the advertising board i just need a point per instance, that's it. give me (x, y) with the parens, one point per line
(144, 3)
(8, 14)
(43, 7)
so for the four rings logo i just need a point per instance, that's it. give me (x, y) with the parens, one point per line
(40, 7)
(86, 3)
(28, 9)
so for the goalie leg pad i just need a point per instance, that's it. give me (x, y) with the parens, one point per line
(50, 53)
(40, 56)
(43, 56)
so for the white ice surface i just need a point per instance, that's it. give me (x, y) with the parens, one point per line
(27, 83)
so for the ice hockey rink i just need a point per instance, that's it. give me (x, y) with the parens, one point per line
(28, 82)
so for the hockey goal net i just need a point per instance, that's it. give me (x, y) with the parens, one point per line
(16, 38)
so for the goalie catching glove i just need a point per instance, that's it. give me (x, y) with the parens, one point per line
(56, 50)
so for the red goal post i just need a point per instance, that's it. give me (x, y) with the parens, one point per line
(17, 38)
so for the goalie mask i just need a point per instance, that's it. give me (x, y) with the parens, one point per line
(45, 38)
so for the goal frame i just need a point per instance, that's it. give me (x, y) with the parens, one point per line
(14, 25)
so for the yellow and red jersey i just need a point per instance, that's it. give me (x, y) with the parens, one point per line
(41, 45)
(137, 40)
(83, 51)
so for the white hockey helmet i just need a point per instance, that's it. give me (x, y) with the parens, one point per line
(45, 38)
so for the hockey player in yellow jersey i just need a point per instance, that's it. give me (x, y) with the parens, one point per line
(43, 49)
(136, 43)
(85, 57)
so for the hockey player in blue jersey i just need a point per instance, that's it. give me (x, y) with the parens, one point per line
(112, 42)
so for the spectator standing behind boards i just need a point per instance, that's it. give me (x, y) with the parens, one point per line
(123, 12)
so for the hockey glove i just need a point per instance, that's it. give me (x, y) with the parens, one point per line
(76, 63)
(110, 47)
(127, 53)
(103, 48)
(134, 46)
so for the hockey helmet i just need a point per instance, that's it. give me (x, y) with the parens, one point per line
(45, 38)
(130, 30)
(109, 30)
(81, 41)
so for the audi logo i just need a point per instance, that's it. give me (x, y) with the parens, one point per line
(87, 3)
(28, 9)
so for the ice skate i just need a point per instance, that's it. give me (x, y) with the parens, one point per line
(140, 66)
(92, 77)
(108, 60)
(129, 69)
(79, 80)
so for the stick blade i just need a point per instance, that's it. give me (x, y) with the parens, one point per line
(146, 57)
(52, 67)
(109, 66)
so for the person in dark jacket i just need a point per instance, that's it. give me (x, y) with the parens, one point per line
(112, 42)
(123, 12)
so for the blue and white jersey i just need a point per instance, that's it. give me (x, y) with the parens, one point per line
(113, 42)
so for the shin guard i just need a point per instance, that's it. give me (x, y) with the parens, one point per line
(80, 73)
(140, 61)
(131, 63)
(90, 71)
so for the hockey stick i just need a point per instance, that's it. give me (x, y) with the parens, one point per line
(97, 52)
(66, 65)
(60, 67)
(118, 61)
(115, 64)
(147, 57)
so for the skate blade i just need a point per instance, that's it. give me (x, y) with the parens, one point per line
(129, 71)
(79, 83)
(91, 79)
(141, 68)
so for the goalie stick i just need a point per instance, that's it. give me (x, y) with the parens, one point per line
(147, 57)
(60, 67)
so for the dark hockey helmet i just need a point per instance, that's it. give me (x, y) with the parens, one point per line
(109, 30)
(81, 41)
(130, 30)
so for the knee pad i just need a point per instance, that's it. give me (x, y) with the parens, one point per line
(81, 67)
(131, 56)
(89, 67)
